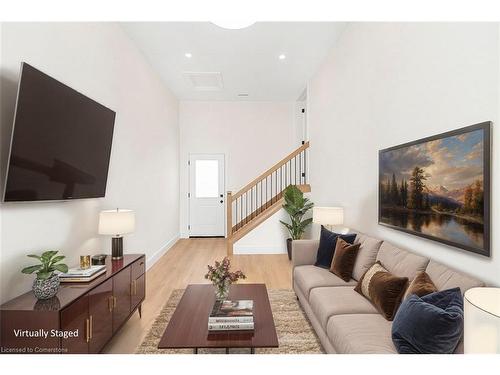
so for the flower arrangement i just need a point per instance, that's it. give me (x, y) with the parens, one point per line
(221, 277)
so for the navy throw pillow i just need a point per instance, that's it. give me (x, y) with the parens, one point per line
(327, 243)
(432, 324)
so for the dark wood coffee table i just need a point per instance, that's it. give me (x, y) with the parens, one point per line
(188, 327)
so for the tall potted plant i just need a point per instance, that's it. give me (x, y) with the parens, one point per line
(296, 205)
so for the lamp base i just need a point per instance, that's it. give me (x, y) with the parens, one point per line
(117, 248)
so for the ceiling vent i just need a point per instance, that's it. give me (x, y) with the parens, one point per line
(204, 81)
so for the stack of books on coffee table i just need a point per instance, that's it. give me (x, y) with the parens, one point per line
(234, 315)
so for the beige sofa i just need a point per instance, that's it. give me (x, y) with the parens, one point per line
(345, 321)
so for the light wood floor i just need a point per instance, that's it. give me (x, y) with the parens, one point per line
(186, 263)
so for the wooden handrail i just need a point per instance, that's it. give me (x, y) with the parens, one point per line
(268, 172)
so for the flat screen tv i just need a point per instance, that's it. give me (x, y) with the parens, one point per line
(439, 188)
(61, 142)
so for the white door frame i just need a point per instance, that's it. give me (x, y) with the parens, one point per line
(223, 188)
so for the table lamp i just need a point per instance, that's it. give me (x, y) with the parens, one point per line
(482, 320)
(116, 223)
(329, 216)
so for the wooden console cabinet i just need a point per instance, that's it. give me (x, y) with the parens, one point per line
(93, 311)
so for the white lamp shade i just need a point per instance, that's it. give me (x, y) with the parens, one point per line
(328, 215)
(482, 320)
(116, 222)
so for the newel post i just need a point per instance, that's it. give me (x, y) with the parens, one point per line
(229, 222)
(229, 215)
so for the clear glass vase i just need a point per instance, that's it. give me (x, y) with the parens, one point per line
(222, 291)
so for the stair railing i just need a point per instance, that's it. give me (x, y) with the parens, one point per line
(266, 190)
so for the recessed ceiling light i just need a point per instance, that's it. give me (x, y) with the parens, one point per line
(188, 55)
(233, 25)
(282, 56)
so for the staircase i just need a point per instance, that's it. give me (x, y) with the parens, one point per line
(263, 197)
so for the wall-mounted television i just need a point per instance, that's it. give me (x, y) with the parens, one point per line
(439, 188)
(61, 142)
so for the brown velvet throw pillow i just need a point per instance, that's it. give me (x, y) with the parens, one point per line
(421, 285)
(383, 289)
(343, 259)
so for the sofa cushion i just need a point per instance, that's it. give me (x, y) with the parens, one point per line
(309, 277)
(360, 334)
(328, 301)
(401, 262)
(446, 278)
(420, 285)
(344, 258)
(367, 254)
(432, 324)
(327, 243)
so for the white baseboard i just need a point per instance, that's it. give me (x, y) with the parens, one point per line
(159, 253)
(249, 249)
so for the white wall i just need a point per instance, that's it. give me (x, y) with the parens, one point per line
(252, 135)
(101, 62)
(268, 238)
(300, 130)
(386, 84)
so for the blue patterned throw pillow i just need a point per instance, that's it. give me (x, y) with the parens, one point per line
(432, 324)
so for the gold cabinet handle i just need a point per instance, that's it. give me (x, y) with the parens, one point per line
(114, 302)
(135, 287)
(91, 324)
(110, 303)
(87, 330)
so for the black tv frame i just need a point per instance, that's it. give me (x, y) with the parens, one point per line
(4, 200)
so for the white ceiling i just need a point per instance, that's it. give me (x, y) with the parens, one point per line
(246, 58)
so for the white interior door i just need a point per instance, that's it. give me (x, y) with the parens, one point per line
(206, 195)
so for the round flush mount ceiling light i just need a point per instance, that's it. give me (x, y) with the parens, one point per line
(233, 24)
(282, 56)
(188, 55)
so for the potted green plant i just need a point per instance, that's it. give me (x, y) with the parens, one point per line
(46, 283)
(296, 205)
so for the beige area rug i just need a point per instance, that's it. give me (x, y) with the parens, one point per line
(295, 334)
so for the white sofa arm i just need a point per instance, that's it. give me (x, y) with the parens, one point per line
(304, 252)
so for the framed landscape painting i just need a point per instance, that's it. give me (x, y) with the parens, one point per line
(439, 188)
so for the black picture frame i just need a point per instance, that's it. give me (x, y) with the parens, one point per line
(486, 127)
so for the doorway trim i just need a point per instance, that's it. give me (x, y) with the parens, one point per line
(189, 182)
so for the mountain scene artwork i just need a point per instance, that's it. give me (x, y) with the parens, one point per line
(435, 188)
